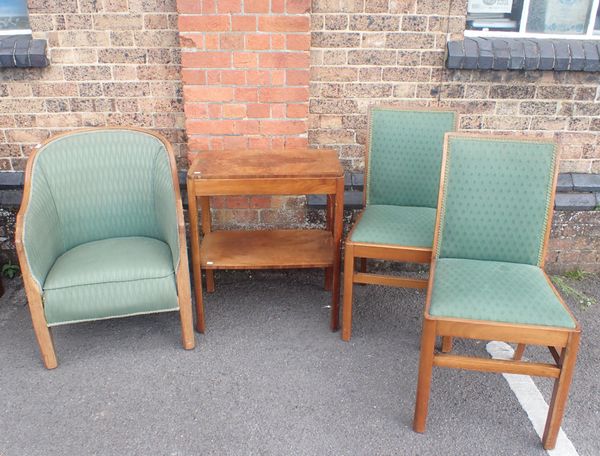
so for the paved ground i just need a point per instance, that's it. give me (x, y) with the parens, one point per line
(268, 378)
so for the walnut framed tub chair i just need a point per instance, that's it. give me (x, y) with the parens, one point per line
(487, 280)
(100, 233)
(402, 170)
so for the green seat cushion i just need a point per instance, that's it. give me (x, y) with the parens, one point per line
(396, 225)
(114, 277)
(496, 291)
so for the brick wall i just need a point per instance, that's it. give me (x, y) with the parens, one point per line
(245, 72)
(269, 73)
(575, 242)
(113, 62)
(380, 51)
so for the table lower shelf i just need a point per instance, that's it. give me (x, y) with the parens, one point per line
(267, 249)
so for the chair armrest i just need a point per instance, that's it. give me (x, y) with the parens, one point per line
(38, 236)
(165, 204)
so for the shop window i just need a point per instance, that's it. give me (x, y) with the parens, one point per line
(577, 19)
(13, 18)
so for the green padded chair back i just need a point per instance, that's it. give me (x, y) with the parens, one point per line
(496, 199)
(94, 185)
(405, 155)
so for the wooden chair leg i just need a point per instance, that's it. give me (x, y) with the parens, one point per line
(424, 381)
(210, 280)
(363, 265)
(519, 352)
(328, 279)
(329, 215)
(560, 393)
(44, 338)
(185, 304)
(446, 344)
(196, 266)
(348, 284)
(42, 332)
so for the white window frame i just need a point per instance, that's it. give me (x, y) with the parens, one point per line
(588, 35)
(13, 32)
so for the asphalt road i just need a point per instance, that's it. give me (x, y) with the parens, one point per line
(268, 378)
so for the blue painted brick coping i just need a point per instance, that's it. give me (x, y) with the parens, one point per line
(574, 191)
(478, 53)
(22, 51)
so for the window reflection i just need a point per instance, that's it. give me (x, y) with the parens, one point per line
(558, 16)
(13, 15)
(497, 15)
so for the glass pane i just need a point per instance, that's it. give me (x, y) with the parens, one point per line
(13, 15)
(558, 16)
(597, 23)
(497, 15)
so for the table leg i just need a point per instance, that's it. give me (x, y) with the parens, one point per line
(329, 227)
(338, 223)
(197, 270)
(206, 228)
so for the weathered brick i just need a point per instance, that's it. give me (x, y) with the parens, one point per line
(118, 21)
(512, 91)
(410, 40)
(283, 24)
(538, 108)
(335, 39)
(334, 22)
(371, 57)
(374, 22)
(373, 40)
(555, 92)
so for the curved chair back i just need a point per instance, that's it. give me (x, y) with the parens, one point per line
(496, 199)
(405, 155)
(97, 184)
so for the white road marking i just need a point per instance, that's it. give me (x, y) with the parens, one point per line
(531, 400)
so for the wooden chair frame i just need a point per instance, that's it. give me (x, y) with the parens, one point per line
(42, 331)
(364, 251)
(562, 343)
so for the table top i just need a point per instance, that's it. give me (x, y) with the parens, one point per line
(266, 163)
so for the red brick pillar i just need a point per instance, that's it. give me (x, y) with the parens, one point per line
(245, 72)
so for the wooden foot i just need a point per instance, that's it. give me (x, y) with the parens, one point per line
(560, 393)
(348, 284)
(424, 381)
(43, 335)
(185, 303)
(210, 280)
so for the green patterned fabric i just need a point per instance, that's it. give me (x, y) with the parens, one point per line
(496, 199)
(100, 232)
(110, 278)
(495, 291)
(396, 225)
(96, 185)
(405, 154)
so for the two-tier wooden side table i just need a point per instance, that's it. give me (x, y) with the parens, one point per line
(266, 172)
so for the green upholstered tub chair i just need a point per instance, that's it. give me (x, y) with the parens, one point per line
(486, 279)
(100, 233)
(402, 171)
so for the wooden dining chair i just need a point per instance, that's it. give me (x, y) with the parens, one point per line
(402, 170)
(487, 280)
(100, 233)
